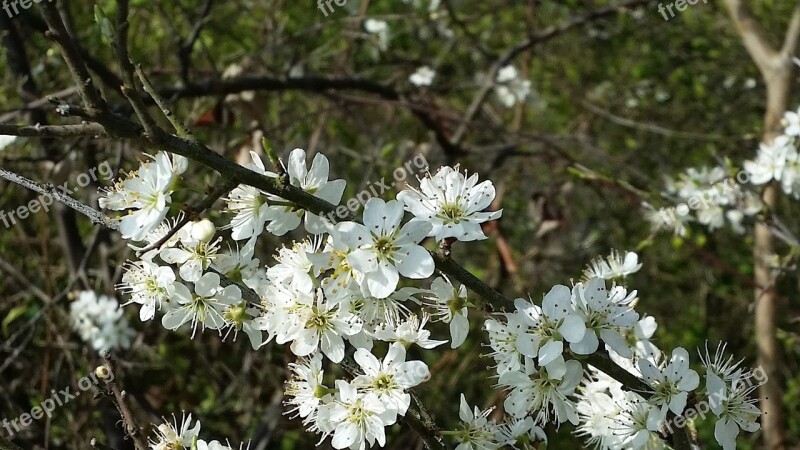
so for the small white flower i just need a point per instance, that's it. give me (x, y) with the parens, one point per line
(671, 385)
(503, 338)
(520, 433)
(383, 251)
(304, 390)
(322, 327)
(379, 28)
(771, 160)
(354, 418)
(606, 315)
(294, 267)
(249, 205)
(791, 122)
(206, 306)
(510, 88)
(422, 77)
(477, 432)
(548, 326)
(238, 265)
(730, 390)
(193, 256)
(543, 393)
(145, 194)
(171, 436)
(450, 306)
(148, 284)
(376, 312)
(411, 331)
(314, 181)
(452, 203)
(390, 379)
(613, 266)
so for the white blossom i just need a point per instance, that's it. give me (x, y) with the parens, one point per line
(452, 204)
(100, 322)
(450, 306)
(423, 76)
(145, 194)
(382, 251)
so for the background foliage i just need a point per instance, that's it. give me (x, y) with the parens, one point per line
(628, 95)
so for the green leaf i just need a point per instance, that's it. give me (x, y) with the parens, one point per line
(14, 314)
(106, 29)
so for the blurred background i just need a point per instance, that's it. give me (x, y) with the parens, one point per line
(604, 101)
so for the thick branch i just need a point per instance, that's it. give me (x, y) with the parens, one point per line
(752, 35)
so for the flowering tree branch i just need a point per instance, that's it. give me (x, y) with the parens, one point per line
(325, 300)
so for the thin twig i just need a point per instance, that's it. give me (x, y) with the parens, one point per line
(49, 190)
(120, 401)
(148, 87)
(91, 97)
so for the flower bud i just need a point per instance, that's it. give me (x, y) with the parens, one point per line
(203, 230)
(103, 372)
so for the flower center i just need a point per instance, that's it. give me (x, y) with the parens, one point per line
(452, 212)
(383, 383)
(384, 246)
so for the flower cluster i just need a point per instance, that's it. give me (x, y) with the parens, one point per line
(709, 196)
(529, 345)
(779, 160)
(99, 321)
(612, 417)
(534, 346)
(357, 411)
(339, 286)
(342, 287)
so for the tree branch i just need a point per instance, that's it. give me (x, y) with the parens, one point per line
(752, 35)
(47, 131)
(49, 190)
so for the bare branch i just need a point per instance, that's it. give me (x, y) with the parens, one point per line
(120, 401)
(752, 35)
(49, 190)
(58, 32)
(87, 129)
